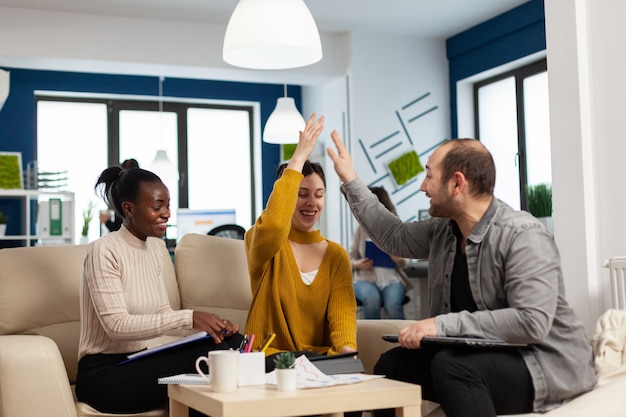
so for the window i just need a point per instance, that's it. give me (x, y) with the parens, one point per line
(512, 120)
(211, 146)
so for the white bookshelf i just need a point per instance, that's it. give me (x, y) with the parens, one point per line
(30, 233)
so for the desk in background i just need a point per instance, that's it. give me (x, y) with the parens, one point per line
(417, 271)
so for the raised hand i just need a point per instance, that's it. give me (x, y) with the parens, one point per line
(306, 143)
(341, 159)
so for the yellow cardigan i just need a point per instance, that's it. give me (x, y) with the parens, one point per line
(320, 317)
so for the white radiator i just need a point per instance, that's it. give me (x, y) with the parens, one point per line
(617, 270)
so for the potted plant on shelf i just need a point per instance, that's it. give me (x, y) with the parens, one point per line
(286, 373)
(87, 218)
(3, 224)
(539, 199)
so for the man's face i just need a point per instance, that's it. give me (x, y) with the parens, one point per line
(442, 203)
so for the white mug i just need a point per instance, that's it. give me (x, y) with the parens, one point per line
(223, 369)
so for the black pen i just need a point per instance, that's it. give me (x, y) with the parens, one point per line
(243, 343)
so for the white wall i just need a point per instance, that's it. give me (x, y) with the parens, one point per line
(386, 75)
(587, 87)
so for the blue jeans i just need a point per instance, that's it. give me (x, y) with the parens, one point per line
(372, 298)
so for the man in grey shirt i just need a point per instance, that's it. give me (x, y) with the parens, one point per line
(493, 273)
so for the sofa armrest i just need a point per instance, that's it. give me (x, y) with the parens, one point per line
(370, 344)
(33, 381)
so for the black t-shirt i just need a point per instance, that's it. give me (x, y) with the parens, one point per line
(460, 293)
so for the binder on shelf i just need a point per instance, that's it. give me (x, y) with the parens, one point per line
(56, 221)
(45, 222)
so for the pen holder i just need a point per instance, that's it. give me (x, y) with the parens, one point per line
(251, 369)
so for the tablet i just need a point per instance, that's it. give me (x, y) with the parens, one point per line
(330, 357)
(470, 341)
(454, 340)
(393, 338)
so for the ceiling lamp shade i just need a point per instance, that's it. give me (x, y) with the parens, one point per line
(163, 167)
(271, 35)
(284, 124)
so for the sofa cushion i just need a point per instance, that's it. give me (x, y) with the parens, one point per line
(212, 274)
(609, 342)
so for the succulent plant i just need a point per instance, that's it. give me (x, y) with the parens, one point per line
(285, 360)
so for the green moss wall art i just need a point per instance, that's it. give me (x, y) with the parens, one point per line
(11, 170)
(404, 168)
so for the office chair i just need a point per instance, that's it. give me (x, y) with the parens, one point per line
(232, 231)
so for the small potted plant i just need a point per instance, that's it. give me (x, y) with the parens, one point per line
(286, 373)
(87, 218)
(539, 199)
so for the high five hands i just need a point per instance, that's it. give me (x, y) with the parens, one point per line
(308, 138)
(341, 159)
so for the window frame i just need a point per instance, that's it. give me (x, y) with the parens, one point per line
(115, 105)
(519, 74)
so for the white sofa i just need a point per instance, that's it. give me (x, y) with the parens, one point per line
(39, 326)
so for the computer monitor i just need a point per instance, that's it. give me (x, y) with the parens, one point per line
(201, 221)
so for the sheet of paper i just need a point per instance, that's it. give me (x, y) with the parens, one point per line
(311, 377)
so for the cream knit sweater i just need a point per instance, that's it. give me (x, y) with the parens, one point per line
(123, 300)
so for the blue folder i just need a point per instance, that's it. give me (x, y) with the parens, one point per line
(380, 258)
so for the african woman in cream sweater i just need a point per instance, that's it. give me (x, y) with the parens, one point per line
(301, 282)
(124, 303)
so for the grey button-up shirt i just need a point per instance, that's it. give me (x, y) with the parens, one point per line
(516, 281)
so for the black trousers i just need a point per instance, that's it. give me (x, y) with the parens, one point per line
(132, 387)
(465, 381)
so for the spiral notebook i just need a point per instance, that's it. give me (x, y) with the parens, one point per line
(189, 379)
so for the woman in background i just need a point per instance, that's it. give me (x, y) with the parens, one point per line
(301, 282)
(376, 286)
(124, 303)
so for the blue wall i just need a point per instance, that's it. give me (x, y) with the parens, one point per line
(512, 35)
(17, 117)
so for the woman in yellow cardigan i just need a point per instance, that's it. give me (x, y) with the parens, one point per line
(301, 282)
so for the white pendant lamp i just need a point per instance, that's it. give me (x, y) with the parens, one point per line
(285, 123)
(271, 34)
(161, 165)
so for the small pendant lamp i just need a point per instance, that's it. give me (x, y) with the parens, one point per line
(271, 34)
(161, 165)
(285, 123)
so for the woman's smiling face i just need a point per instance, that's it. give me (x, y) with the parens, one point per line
(310, 203)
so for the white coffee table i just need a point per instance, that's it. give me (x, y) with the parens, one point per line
(267, 401)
